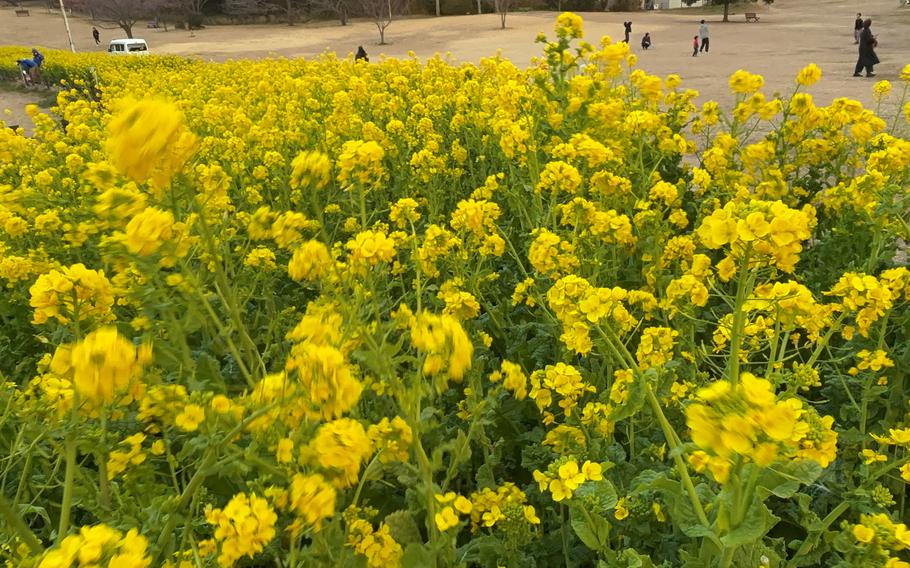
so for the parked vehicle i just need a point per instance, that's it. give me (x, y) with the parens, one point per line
(133, 46)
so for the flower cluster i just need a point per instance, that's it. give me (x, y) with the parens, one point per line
(243, 528)
(750, 422)
(564, 477)
(99, 545)
(311, 311)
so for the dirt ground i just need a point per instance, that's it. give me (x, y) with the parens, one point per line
(791, 33)
(12, 108)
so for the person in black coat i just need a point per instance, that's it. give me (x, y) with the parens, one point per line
(867, 56)
(361, 54)
(628, 26)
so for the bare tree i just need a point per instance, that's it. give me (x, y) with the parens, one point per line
(382, 12)
(502, 8)
(122, 13)
(189, 9)
(339, 8)
(726, 4)
(293, 10)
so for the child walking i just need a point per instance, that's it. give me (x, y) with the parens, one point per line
(695, 46)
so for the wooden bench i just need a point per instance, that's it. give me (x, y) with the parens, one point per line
(152, 25)
(751, 17)
(21, 12)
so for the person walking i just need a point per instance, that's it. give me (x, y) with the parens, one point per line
(867, 45)
(695, 46)
(96, 35)
(628, 26)
(857, 28)
(703, 36)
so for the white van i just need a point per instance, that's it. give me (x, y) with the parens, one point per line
(133, 46)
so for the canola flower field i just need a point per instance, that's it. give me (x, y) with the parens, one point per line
(325, 313)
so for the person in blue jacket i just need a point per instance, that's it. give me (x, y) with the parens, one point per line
(31, 66)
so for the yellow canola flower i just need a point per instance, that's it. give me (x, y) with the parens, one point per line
(103, 366)
(371, 247)
(149, 141)
(446, 519)
(569, 25)
(312, 499)
(377, 546)
(311, 261)
(752, 422)
(392, 438)
(882, 89)
(863, 534)
(72, 292)
(243, 528)
(190, 418)
(809, 75)
(147, 231)
(743, 82)
(311, 169)
(444, 343)
(341, 447)
(360, 162)
(98, 546)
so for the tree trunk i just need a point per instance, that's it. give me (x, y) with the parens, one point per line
(438, 11)
(343, 16)
(726, 10)
(290, 13)
(128, 28)
(479, 7)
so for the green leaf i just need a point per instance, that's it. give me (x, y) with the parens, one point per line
(403, 527)
(484, 550)
(784, 480)
(628, 558)
(602, 492)
(416, 556)
(681, 511)
(484, 477)
(758, 521)
(208, 375)
(592, 529)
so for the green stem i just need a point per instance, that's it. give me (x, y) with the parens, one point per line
(363, 478)
(189, 491)
(824, 341)
(743, 289)
(104, 485)
(426, 471)
(864, 404)
(68, 477)
(728, 557)
(671, 438)
(15, 522)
